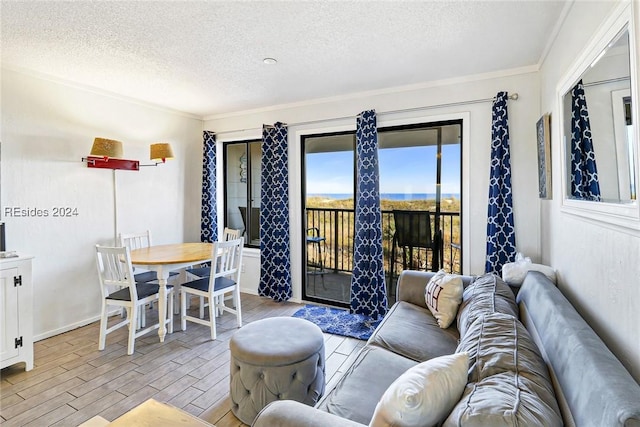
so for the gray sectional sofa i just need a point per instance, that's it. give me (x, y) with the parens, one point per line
(533, 361)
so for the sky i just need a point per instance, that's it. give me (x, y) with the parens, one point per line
(408, 170)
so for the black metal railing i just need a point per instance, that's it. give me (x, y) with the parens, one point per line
(336, 225)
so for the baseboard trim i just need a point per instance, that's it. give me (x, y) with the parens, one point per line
(85, 322)
(71, 327)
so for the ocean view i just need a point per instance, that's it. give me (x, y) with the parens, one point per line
(390, 196)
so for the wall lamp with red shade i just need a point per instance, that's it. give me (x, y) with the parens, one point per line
(107, 154)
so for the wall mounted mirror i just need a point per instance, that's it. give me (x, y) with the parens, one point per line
(599, 128)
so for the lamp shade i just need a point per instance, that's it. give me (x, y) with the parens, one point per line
(103, 147)
(160, 152)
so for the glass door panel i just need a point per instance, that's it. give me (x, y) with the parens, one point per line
(328, 221)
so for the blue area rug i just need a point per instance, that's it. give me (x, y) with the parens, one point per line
(339, 322)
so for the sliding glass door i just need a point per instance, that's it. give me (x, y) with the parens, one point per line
(328, 164)
(420, 176)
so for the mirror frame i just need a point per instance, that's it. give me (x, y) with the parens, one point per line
(624, 215)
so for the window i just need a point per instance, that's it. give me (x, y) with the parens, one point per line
(242, 188)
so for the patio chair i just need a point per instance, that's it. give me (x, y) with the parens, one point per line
(413, 230)
(315, 255)
(255, 223)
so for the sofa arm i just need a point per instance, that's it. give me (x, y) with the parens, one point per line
(411, 284)
(289, 413)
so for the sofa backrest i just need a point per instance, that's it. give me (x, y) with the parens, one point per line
(411, 284)
(592, 387)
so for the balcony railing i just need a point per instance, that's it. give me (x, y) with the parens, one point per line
(336, 225)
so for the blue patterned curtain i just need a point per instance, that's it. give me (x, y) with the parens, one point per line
(501, 234)
(584, 173)
(368, 291)
(209, 219)
(275, 262)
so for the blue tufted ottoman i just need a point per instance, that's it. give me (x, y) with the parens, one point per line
(275, 359)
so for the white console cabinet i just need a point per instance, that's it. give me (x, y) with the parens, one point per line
(16, 318)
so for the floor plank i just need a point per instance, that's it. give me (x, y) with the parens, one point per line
(72, 381)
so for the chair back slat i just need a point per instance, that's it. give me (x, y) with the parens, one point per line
(231, 234)
(227, 257)
(136, 240)
(115, 270)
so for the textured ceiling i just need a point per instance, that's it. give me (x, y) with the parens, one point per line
(205, 57)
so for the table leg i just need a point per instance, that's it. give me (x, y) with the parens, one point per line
(182, 278)
(163, 275)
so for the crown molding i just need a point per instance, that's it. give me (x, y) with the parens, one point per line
(92, 89)
(397, 89)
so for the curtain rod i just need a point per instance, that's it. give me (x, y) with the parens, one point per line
(601, 82)
(513, 97)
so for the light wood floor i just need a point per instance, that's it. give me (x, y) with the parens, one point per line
(72, 381)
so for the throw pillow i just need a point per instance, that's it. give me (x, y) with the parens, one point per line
(513, 273)
(443, 295)
(425, 394)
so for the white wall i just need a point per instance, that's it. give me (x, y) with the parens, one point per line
(597, 264)
(47, 127)
(326, 115)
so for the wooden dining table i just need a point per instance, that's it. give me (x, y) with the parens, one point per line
(165, 258)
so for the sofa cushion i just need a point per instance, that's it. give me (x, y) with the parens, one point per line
(487, 294)
(358, 391)
(499, 343)
(509, 383)
(443, 295)
(502, 400)
(425, 394)
(413, 332)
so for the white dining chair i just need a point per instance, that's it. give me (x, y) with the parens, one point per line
(200, 272)
(138, 241)
(119, 289)
(231, 234)
(224, 279)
